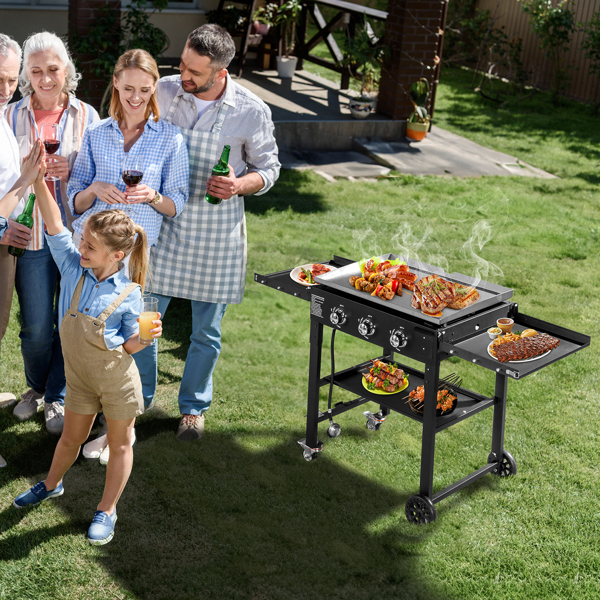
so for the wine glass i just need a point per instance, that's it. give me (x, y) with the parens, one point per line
(49, 133)
(132, 172)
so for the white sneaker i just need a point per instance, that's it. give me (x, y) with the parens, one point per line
(94, 448)
(7, 400)
(2, 462)
(54, 413)
(104, 455)
(30, 403)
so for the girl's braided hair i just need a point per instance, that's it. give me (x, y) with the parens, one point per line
(115, 231)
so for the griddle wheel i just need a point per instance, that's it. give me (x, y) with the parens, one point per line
(374, 421)
(334, 430)
(308, 455)
(373, 425)
(507, 466)
(420, 509)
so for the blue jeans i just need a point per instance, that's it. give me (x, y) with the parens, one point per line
(195, 391)
(37, 283)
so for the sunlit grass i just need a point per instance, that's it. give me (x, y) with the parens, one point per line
(241, 515)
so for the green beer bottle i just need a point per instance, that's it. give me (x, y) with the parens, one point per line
(25, 218)
(221, 169)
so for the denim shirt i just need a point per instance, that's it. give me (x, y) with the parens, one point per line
(96, 295)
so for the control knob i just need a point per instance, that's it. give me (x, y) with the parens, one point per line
(366, 327)
(398, 339)
(338, 316)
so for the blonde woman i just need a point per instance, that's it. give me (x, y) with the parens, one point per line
(47, 81)
(133, 130)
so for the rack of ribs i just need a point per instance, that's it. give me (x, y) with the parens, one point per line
(525, 348)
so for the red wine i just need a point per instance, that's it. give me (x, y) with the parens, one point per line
(132, 177)
(51, 146)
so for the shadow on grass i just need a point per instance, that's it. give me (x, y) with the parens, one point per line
(288, 195)
(235, 516)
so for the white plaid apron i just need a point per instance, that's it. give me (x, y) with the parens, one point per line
(201, 254)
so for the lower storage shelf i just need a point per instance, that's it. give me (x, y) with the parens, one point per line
(469, 403)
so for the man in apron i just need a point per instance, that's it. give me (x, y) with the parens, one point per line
(201, 255)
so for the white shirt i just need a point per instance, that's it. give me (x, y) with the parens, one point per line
(10, 168)
(248, 127)
(203, 105)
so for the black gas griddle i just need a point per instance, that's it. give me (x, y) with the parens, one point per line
(398, 329)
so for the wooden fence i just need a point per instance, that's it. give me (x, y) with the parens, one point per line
(509, 15)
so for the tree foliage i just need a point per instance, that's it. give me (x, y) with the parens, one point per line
(114, 32)
(554, 23)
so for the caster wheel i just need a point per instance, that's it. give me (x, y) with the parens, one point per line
(373, 425)
(420, 509)
(334, 430)
(308, 456)
(507, 466)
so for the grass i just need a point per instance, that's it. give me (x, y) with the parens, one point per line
(242, 516)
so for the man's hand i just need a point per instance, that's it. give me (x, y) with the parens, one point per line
(16, 235)
(57, 166)
(223, 187)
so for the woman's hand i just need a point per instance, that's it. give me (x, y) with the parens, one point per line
(33, 163)
(58, 166)
(108, 193)
(139, 194)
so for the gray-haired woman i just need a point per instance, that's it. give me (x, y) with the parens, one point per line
(47, 81)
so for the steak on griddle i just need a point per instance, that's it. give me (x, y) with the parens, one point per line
(434, 293)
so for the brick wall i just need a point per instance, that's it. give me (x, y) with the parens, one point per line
(413, 34)
(82, 14)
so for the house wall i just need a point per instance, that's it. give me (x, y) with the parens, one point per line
(515, 23)
(23, 21)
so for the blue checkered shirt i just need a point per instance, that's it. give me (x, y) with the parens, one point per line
(100, 158)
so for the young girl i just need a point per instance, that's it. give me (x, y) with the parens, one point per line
(98, 311)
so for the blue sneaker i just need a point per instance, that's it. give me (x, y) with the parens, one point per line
(102, 529)
(38, 493)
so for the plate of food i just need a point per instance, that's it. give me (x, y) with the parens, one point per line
(305, 274)
(384, 379)
(522, 347)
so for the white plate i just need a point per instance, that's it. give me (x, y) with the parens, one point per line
(294, 274)
(518, 361)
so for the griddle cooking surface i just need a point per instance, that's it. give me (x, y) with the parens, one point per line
(489, 293)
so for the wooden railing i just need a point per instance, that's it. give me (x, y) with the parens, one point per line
(349, 14)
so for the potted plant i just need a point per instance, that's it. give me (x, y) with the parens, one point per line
(419, 121)
(230, 18)
(286, 17)
(264, 18)
(364, 53)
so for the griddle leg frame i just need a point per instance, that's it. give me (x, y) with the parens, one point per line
(432, 374)
(499, 418)
(314, 375)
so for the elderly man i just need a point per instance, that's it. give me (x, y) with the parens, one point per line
(201, 255)
(14, 234)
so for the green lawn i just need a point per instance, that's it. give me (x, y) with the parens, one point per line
(241, 515)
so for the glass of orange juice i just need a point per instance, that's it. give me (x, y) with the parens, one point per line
(148, 314)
